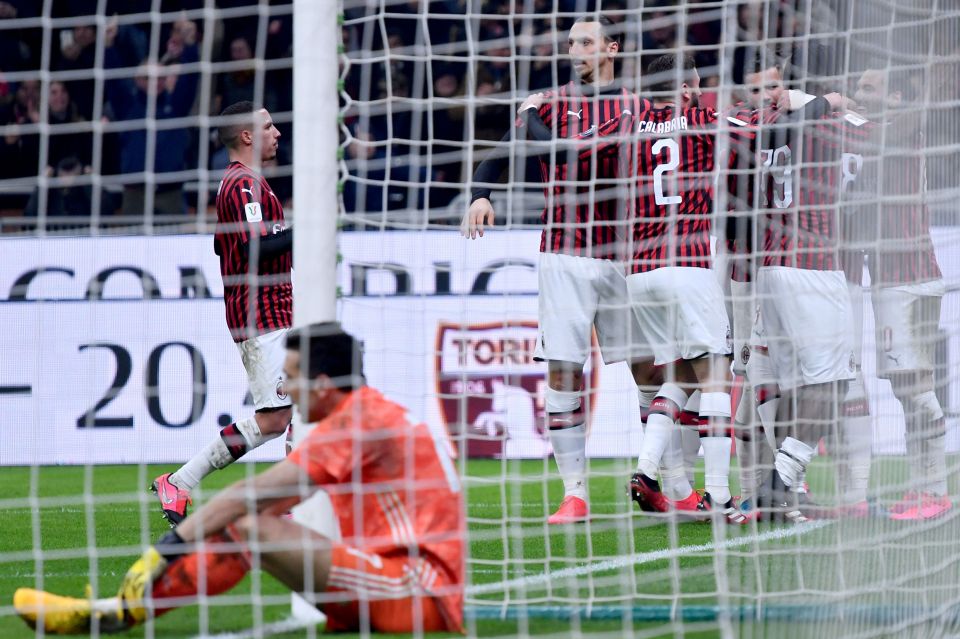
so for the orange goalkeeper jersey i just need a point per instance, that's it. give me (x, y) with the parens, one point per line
(393, 486)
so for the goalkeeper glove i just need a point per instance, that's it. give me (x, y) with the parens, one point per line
(144, 571)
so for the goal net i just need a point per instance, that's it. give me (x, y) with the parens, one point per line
(118, 366)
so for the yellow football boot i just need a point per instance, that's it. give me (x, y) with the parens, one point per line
(58, 615)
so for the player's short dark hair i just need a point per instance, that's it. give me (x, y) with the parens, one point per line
(662, 72)
(229, 131)
(326, 349)
(609, 29)
(761, 59)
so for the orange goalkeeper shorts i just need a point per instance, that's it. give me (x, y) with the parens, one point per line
(395, 592)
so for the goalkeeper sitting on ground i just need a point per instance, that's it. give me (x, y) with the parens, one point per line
(394, 490)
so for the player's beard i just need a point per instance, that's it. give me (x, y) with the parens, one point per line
(584, 72)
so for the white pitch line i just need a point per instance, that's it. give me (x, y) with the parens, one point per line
(645, 558)
(289, 624)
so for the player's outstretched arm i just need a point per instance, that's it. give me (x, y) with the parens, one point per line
(481, 213)
(273, 491)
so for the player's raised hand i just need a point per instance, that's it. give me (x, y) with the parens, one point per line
(533, 101)
(479, 213)
(840, 103)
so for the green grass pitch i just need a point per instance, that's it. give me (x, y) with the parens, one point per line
(638, 572)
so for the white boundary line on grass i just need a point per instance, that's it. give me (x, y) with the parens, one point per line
(645, 558)
(290, 624)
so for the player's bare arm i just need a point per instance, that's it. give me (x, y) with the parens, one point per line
(273, 491)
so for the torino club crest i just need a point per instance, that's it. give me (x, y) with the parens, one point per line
(491, 390)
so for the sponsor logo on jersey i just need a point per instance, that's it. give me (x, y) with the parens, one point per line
(281, 391)
(492, 392)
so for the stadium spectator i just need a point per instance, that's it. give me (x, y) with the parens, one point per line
(237, 86)
(174, 93)
(63, 111)
(447, 122)
(20, 48)
(20, 155)
(387, 576)
(371, 174)
(69, 199)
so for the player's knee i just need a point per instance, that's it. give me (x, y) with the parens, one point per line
(274, 422)
(565, 376)
(646, 373)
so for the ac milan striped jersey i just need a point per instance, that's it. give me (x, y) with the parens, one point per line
(741, 185)
(801, 186)
(258, 298)
(583, 215)
(672, 196)
(888, 217)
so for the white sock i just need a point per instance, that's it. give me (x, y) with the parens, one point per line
(715, 407)
(570, 452)
(767, 412)
(716, 457)
(645, 398)
(674, 481)
(690, 443)
(933, 457)
(748, 464)
(216, 455)
(934, 462)
(656, 438)
(856, 454)
(690, 437)
(791, 461)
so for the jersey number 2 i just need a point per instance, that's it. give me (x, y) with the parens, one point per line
(673, 161)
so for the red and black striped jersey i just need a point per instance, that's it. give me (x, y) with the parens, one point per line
(671, 203)
(258, 295)
(888, 217)
(741, 194)
(801, 187)
(583, 215)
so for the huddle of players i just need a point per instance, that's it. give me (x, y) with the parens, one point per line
(808, 186)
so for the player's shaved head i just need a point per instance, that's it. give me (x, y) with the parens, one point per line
(609, 30)
(242, 118)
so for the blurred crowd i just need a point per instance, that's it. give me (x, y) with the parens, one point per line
(150, 74)
(431, 89)
(456, 112)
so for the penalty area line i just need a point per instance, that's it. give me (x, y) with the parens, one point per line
(290, 624)
(643, 558)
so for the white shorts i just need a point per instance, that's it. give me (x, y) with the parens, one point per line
(743, 304)
(806, 321)
(577, 294)
(907, 319)
(759, 367)
(263, 357)
(855, 291)
(681, 312)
